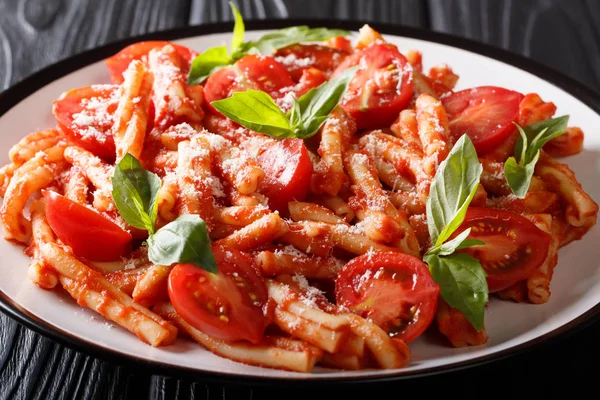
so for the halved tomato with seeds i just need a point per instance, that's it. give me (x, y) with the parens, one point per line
(514, 246)
(227, 305)
(288, 170)
(486, 114)
(299, 57)
(118, 63)
(394, 290)
(256, 72)
(381, 88)
(85, 115)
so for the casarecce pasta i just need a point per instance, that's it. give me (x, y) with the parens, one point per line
(318, 242)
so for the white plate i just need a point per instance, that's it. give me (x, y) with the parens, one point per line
(510, 326)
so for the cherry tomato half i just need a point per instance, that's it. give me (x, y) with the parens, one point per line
(394, 290)
(88, 233)
(118, 63)
(298, 57)
(514, 246)
(381, 88)
(486, 114)
(227, 305)
(288, 170)
(249, 72)
(85, 115)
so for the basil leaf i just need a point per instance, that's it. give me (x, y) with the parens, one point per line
(462, 284)
(238, 30)
(527, 150)
(518, 176)
(135, 192)
(317, 103)
(534, 137)
(257, 111)
(271, 42)
(208, 62)
(452, 189)
(295, 114)
(185, 241)
(459, 242)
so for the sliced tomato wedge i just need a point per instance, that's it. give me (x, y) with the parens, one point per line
(311, 78)
(249, 72)
(341, 43)
(381, 88)
(299, 57)
(288, 170)
(486, 114)
(227, 305)
(87, 232)
(85, 115)
(514, 246)
(394, 290)
(118, 63)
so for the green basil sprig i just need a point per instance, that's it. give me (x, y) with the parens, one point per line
(185, 240)
(518, 170)
(134, 192)
(258, 111)
(218, 57)
(461, 277)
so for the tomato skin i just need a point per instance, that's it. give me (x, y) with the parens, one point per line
(384, 287)
(299, 57)
(249, 72)
(515, 246)
(486, 114)
(376, 95)
(311, 78)
(340, 42)
(221, 304)
(88, 233)
(98, 104)
(288, 170)
(118, 63)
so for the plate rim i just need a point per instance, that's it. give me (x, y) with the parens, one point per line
(30, 84)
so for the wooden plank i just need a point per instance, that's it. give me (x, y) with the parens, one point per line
(35, 33)
(405, 12)
(559, 34)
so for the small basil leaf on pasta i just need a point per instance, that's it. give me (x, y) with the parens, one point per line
(462, 284)
(519, 169)
(271, 42)
(239, 30)
(217, 57)
(135, 192)
(183, 241)
(206, 63)
(459, 242)
(257, 111)
(518, 176)
(452, 189)
(316, 105)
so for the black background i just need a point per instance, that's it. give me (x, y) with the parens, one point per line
(564, 35)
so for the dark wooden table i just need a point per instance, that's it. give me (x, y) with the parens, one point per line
(564, 35)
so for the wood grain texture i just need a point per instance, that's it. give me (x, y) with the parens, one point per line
(564, 35)
(405, 12)
(34, 33)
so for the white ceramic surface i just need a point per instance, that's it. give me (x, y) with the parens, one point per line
(575, 286)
